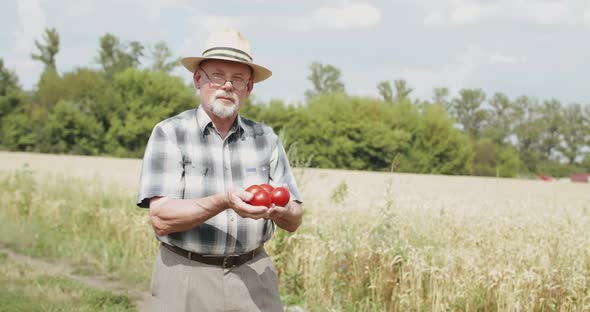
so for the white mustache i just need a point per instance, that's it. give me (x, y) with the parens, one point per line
(231, 95)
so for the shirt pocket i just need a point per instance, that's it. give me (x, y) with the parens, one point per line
(194, 180)
(256, 174)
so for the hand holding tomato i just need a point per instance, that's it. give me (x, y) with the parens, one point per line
(238, 199)
(266, 194)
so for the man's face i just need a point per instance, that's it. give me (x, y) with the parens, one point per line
(222, 100)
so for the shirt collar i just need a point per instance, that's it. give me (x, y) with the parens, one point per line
(203, 121)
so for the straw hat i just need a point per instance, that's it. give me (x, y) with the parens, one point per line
(229, 45)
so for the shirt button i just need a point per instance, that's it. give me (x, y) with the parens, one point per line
(232, 219)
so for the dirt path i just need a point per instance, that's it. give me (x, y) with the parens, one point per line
(140, 297)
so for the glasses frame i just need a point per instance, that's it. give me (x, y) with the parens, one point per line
(238, 87)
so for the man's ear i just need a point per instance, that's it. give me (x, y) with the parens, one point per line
(250, 85)
(197, 79)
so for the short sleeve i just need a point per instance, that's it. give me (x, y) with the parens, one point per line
(280, 170)
(162, 168)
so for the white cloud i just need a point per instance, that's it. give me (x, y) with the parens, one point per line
(326, 18)
(469, 11)
(213, 23)
(31, 23)
(353, 15)
(548, 12)
(498, 58)
(193, 41)
(151, 9)
(457, 74)
(433, 19)
(30, 27)
(453, 75)
(77, 9)
(587, 15)
(545, 12)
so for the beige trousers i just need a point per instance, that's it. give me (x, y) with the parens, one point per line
(180, 284)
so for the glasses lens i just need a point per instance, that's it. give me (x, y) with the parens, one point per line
(218, 81)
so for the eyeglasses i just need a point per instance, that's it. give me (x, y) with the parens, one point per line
(218, 80)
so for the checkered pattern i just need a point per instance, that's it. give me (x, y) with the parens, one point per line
(186, 158)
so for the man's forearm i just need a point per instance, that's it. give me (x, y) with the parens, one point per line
(169, 215)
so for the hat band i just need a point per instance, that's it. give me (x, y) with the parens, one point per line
(228, 53)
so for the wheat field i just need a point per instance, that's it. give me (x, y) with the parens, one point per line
(365, 189)
(394, 242)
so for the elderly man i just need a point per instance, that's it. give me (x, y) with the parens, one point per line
(195, 169)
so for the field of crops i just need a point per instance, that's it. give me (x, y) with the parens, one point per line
(369, 241)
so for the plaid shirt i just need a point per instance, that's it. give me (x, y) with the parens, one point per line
(186, 158)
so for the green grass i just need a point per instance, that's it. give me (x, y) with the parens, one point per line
(383, 258)
(25, 288)
(91, 226)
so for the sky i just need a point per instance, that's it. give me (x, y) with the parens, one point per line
(538, 48)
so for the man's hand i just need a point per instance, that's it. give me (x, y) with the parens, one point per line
(237, 201)
(289, 217)
(278, 212)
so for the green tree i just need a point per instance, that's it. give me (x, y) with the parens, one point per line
(402, 91)
(573, 132)
(587, 125)
(484, 158)
(8, 80)
(501, 116)
(11, 95)
(385, 90)
(89, 89)
(50, 90)
(135, 52)
(71, 131)
(508, 162)
(437, 147)
(468, 111)
(325, 79)
(551, 114)
(115, 56)
(276, 114)
(586, 163)
(17, 132)
(21, 131)
(338, 131)
(146, 98)
(441, 96)
(251, 108)
(48, 49)
(12, 116)
(162, 58)
(491, 159)
(93, 93)
(529, 130)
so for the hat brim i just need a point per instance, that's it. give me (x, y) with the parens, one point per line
(260, 73)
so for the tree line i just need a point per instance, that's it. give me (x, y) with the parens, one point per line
(110, 110)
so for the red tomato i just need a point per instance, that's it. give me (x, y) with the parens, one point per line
(261, 198)
(280, 196)
(267, 187)
(253, 189)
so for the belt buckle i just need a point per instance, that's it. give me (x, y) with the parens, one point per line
(225, 263)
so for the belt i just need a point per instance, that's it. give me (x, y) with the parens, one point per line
(222, 261)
